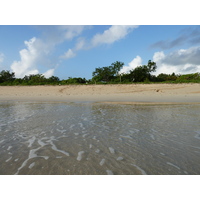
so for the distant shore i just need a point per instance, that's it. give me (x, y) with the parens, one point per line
(122, 94)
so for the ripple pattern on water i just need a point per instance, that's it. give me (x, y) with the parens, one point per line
(61, 138)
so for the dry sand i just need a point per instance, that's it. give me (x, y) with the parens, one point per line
(126, 94)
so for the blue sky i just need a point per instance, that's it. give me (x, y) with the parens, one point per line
(75, 51)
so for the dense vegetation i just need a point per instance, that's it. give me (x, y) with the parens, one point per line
(104, 75)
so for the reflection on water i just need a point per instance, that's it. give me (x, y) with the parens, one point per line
(59, 138)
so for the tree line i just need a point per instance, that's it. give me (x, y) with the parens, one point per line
(103, 75)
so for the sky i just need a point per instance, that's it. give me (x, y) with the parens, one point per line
(76, 50)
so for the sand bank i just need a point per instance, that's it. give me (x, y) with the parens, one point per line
(128, 94)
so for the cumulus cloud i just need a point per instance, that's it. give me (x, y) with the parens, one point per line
(27, 64)
(114, 33)
(32, 57)
(180, 62)
(68, 54)
(37, 51)
(132, 65)
(49, 73)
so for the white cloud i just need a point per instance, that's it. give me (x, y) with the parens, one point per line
(49, 73)
(72, 31)
(27, 64)
(80, 44)
(158, 56)
(182, 61)
(68, 54)
(58, 34)
(37, 53)
(111, 35)
(132, 65)
(114, 33)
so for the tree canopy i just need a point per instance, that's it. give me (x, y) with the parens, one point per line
(6, 76)
(106, 74)
(142, 73)
(109, 74)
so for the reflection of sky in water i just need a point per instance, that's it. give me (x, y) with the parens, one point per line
(59, 138)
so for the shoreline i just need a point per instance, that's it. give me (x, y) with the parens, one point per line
(184, 93)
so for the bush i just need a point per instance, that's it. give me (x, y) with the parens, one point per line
(189, 78)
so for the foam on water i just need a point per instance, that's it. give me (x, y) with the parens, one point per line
(111, 150)
(9, 159)
(109, 172)
(102, 162)
(84, 135)
(154, 130)
(134, 130)
(31, 165)
(41, 143)
(80, 153)
(31, 155)
(58, 156)
(58, 150)
(31, 141)
(140, 169)
(61, 131)
(173, 165)
(126, 136)
(197, 136)
(71, 126)
(97, 151)
(152, 136)
(9, 148)
(120, 158)
(2, 141)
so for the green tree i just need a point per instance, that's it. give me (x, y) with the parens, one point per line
(107, 73)
(162, 77)
(116, 67)
(143, 73)
(78, 80)
(6, 76)
(53, 80)
(34, 79)
(102, 74)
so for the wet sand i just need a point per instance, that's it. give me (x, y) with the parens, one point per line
(123, 94)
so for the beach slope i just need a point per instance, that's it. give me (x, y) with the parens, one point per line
(119, 93)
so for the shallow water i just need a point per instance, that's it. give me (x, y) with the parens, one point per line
(89, 138)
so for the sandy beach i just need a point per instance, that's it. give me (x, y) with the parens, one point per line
(125, 94)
